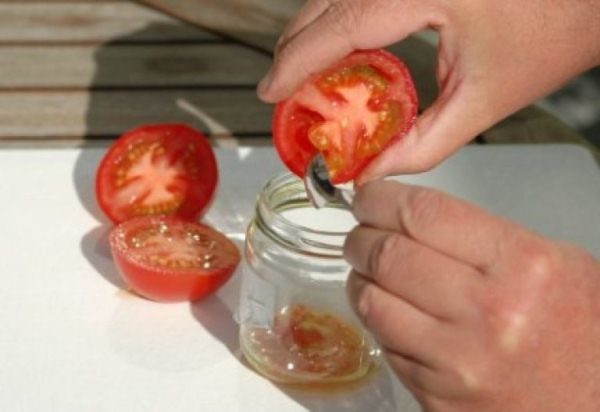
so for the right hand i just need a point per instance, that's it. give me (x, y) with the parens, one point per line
(494, 58)
(474, 312)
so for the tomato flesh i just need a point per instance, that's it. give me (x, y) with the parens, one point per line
(166, 169)
(349, 112)
(168, 259)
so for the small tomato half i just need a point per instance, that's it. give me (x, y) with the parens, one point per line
(162, 169)
(168, 260)
(349, 112)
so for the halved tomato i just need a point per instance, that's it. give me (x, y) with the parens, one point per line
(349, 112)
(163, 169)
(168, 260)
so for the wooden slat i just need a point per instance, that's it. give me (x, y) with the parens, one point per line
(129, 66)
(63, 117)
(69, 142)
(255, 22)
(109, 113)
(91, 22)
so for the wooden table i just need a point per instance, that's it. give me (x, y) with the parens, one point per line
(81, 72)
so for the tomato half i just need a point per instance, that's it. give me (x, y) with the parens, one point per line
(349, 112)
(169, 260)
(163, 169)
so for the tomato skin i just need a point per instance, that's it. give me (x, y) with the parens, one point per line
(164, 284)
(195, 187)
(163, 287)
(292, 119)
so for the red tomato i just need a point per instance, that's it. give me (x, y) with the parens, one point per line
(163, 169)
(168, 260)
(350, 112)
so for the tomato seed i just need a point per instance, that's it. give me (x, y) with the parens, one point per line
(136, 242)
(209, 257)
(198, 237)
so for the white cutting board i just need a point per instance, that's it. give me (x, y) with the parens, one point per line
(71, 341)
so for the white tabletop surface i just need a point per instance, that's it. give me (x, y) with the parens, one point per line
(71, 340)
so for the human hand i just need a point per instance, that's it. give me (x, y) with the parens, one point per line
(474, 312)
(494, 58)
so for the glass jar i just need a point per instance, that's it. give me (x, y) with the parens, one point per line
(296, 325)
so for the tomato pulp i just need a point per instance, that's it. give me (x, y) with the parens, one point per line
(309, 346)
(167, 259)
(349, 112)
(163, 169)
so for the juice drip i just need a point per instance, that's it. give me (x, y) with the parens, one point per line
(307, 346)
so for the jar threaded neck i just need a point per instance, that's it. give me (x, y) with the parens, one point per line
(285, 214)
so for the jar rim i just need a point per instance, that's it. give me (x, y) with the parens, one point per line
(286, 192)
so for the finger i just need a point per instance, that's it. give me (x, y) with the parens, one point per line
(454, 119)
(343, 27)
(395, 323)
(310, 11)
(443, 223)
(306, 15)
(411, 372)
(427, 384)
(431, 281)
(406, 369)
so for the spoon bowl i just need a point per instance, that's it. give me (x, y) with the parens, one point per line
(319, 188)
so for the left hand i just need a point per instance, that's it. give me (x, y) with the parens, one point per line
(474, 312)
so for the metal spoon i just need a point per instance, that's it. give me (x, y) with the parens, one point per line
(319, 188)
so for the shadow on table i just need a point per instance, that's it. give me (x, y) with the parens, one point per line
(94, 244)
(378, 393)
(96, 249)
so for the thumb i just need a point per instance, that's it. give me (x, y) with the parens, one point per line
(455, 118)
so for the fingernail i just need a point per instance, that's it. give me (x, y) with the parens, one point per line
(265, 83)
